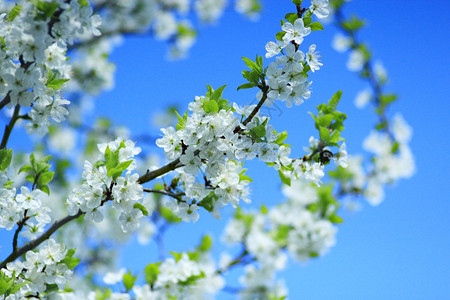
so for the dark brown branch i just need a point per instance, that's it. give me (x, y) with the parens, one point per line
(9, 127)
(36, 242)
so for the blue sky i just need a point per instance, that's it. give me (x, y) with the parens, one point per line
(398, 250)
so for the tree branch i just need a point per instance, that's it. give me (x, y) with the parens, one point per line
(10, 126)
(36, 242)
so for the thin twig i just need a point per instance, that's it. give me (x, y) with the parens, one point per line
(37, 241)
(9, 127)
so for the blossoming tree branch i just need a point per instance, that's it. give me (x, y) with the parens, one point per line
(67, 215)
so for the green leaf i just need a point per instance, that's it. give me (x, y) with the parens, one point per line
(286, 180)
(247, 85)
(5, 158)
(353, 24)
(169, 215)
(316, 26)
(291, 17)
(17, 287)
(388, 98)
(297, 2)
(217, 94)
(325, 120)
(335, 136)
(313, 254)
(56, 84)
(243, 177)
(45, 189)
(281, 137)
(15, 11)
(45, 178)
(335, 219)
(334, 101)
(206, 243)
(279, 36)
(208, 202)
(141, 208)
(210, 106)
(30, 178)
(70, 261)
(128, 280)
(47, 9)
(264, 210)
(181, 120)
(176, 255)
(307, 20)
(5, 282)
(252, 65)
(151, 272)
(324, 133)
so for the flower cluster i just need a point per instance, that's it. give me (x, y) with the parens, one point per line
(300, 226)
(27, 208)
(35, 37)
(104, 181)
(40, 270)
(392, 160)
(287, 75)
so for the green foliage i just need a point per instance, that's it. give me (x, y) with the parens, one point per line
(15, 11)
(151, 273)
(71, 261)
(5, 159)
(128, 280)
(329, 122)
(8, 285)
(45, 9)
(53, 82)
(285, 179)
(213, 102)
(181, 120)
(169, 215)
(208, 202)
(316, 26)
(141, 208)
(291, 17)
(242, 176)
(113, 165)
(205, 244)
(38, 173)
(255, 74)
(258, 133)
(353, 24)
